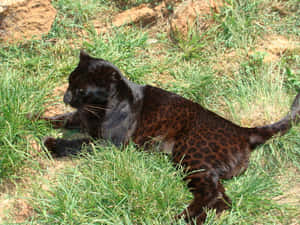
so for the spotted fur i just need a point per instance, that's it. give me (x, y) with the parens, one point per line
(209, 147)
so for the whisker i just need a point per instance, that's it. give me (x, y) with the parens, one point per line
(91, 111)
(96, 107)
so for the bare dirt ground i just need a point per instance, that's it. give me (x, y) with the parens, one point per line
(25, 19)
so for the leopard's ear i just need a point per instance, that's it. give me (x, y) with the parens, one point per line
(84, 56)
(111, 70)
(116, 75)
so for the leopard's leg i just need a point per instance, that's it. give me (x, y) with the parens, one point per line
(223, 201)
(62, 147)
(208, 193)
(67, 120)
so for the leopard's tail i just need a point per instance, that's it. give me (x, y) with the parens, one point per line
(260, 135)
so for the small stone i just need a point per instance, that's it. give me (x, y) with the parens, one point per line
(141, 14)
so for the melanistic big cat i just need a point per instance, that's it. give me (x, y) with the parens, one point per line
(209, 147)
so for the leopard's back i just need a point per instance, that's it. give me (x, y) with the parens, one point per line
(197, 137)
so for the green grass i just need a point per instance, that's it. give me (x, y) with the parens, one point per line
(17, 89)
(112, 186)
(120, 48)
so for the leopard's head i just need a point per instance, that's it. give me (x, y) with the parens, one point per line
(94, 82)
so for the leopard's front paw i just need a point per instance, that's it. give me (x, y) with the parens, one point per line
(180, 216)
(191, 220)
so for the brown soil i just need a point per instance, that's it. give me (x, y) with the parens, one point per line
(291, 187)
(227, 63)
(141, 14)
(290, 183)
(26, 19)
(193, 14)
(291, 196)
(275, 46)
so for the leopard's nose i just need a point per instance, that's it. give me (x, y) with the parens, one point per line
(68, 97)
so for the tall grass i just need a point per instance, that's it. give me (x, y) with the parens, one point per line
(17, 89)
(113, 187)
